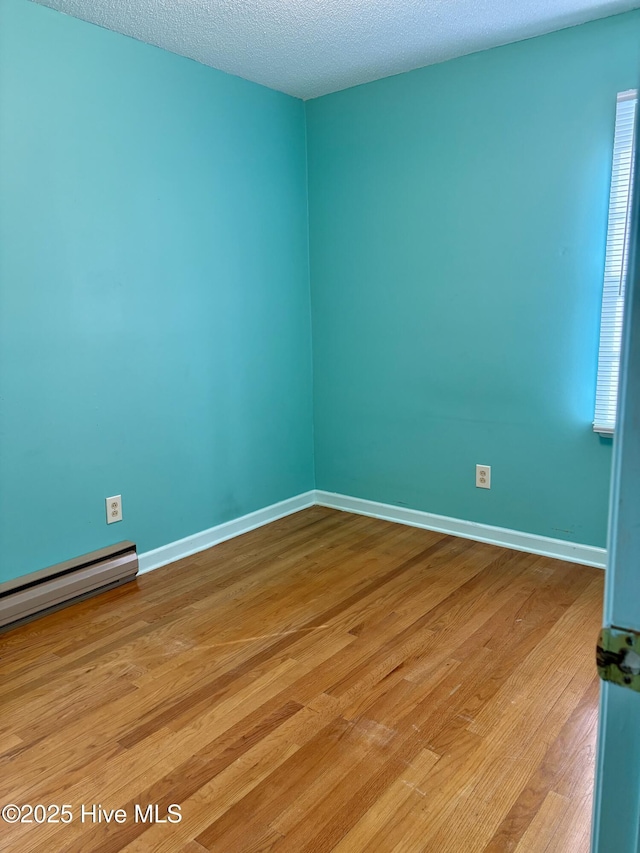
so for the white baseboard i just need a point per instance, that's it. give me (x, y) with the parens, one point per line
(207, 538)
(559, 549)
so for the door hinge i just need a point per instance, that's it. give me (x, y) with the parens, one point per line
(618, 657)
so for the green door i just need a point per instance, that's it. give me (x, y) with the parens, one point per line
(616, 816)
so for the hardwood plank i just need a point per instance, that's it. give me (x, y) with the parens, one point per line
(327, 683)
(544, 826)
(401, 795)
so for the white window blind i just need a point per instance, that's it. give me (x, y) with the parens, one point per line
(616, 260)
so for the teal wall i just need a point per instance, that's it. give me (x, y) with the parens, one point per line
(458, 222)
(155, 328)
(154, 292)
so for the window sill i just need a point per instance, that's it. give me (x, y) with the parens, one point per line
(604, 430)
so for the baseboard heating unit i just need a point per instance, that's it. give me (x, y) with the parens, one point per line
(41, 592)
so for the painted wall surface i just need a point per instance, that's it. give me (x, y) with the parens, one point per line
(458, 223)
(154, 294)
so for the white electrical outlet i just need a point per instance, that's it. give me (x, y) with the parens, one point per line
(114, 508)
(483, 476)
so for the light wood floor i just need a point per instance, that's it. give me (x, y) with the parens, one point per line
(329, 682)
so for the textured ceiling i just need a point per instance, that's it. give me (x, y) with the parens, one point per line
(310, 47)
